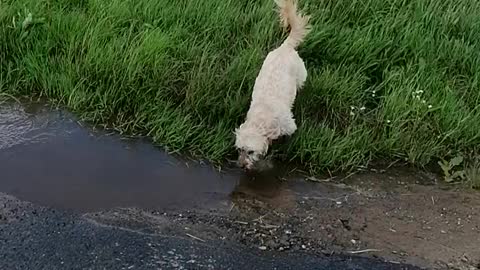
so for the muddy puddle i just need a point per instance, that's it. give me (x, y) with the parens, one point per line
(398, 214)
(48, 158)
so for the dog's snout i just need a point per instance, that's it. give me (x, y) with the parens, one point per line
(244, 162)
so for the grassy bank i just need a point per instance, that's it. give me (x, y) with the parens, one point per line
(387, 78)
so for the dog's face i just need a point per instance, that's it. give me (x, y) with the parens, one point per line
(248, 158)
(252, 147)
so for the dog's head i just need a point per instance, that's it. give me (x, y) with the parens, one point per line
(251, 145)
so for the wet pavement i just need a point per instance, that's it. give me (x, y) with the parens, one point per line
(54, 174)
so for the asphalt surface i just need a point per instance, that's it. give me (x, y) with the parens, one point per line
(33, 237)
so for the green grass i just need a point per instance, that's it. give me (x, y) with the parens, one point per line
(472, 173)
(182, 72)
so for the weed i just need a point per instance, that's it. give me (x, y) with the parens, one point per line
(472, 173)
(458, 170)
(449, 169)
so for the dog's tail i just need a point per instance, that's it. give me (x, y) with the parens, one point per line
(298, 23)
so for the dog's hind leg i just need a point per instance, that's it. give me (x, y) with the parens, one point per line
(301, 74)
(289, 127)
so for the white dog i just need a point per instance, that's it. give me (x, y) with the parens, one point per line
(282, 74)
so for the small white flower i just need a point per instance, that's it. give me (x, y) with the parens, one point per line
(28, 21)
(352, 108)
(430, 106)
(388, 121)
(352, 113)
(362, 108)
(424, 101)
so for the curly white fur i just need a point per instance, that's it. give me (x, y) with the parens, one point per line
(282, 74)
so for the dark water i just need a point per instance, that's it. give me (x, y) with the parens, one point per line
(47, 157)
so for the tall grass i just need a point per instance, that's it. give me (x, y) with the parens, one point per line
(387, 78)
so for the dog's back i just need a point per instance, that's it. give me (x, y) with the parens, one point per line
(283, 71)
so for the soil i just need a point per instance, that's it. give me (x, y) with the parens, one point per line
(399, 215)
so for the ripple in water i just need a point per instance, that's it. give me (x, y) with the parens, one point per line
(23, 125)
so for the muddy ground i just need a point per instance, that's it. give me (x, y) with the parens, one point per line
(401, 215)
(73, 194)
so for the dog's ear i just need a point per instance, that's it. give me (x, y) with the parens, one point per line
(265, 147)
